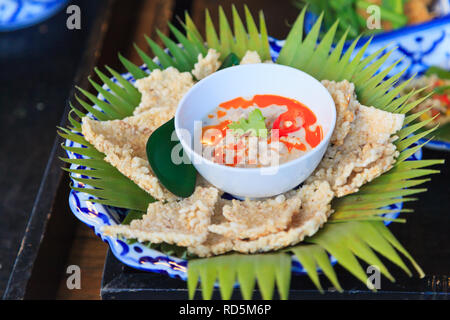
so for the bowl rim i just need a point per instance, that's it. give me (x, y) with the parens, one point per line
(311, 153)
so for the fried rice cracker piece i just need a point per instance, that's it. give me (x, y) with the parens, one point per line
(314, 212)
(343, 94)
(123, 142)
(366, 153)
(151, 119)
(206, 65)
(215, 244)
(251, 219)
(250, 57)
(163, 88)
(184, 223)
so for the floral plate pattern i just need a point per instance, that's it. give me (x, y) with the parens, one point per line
(137, 255)
(436, 144)
(16, 14)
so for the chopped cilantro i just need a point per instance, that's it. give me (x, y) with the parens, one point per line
(254, 124)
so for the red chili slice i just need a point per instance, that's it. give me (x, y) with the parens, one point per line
(443, 98)
(280, 122)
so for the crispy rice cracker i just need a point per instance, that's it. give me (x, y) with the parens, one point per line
(123, 142)
(367, 151)
(250, 57)
(343, 94)
(184, 223)
(215, 244)
(163, 88)
(151, 119)
(314, 212)
(207, 65)
(251, 219)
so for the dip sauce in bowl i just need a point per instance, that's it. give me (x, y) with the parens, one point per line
(280, 121)
(291, 131)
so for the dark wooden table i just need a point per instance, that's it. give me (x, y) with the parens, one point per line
(39, 67)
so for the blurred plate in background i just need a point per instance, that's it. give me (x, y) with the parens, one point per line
(17, 14)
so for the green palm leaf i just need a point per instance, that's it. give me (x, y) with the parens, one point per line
(137, 72)
(312, 257)
(239, 42)
(109, 185)
(354, 233)
(267, 270)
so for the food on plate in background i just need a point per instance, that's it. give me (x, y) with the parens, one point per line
(435, 106)
(353, 14)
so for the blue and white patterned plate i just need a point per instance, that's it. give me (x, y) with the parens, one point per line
(436, 145)
(16, 14)
(137, 255)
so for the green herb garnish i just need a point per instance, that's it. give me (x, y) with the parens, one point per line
(254, 124)
(349, 14)
(440, 72)
(442, 89)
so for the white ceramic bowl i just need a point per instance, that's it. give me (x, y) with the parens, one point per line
(246, 81)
